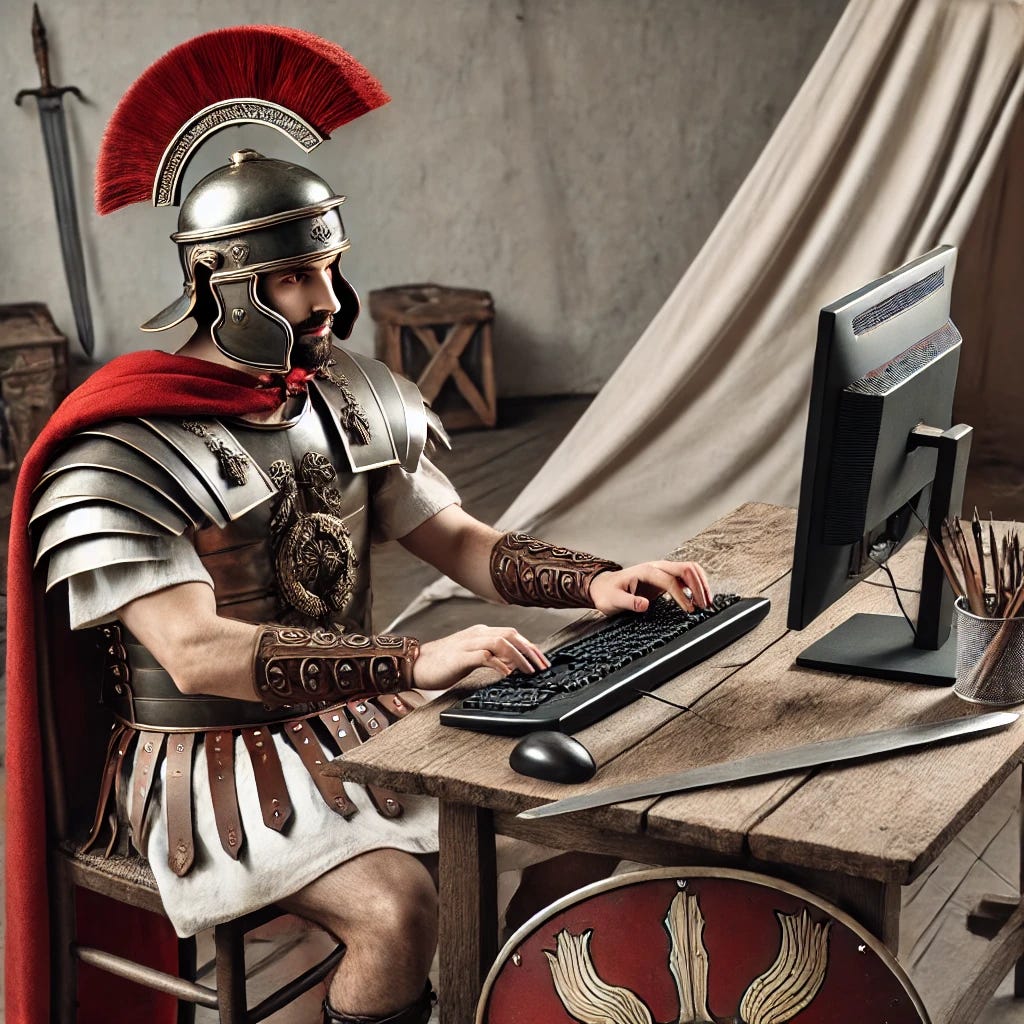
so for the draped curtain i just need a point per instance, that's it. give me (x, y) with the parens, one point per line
(903, 136)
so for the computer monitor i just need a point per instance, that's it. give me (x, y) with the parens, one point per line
(881, 456)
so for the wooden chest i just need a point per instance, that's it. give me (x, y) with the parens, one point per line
(33, 377)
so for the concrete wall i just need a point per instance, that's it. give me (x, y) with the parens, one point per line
(570, 156)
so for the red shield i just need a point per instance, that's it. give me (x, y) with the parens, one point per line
(695, 944)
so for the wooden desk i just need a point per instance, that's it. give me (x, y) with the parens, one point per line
(854, 834)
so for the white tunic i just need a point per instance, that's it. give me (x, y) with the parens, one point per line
(272, 865)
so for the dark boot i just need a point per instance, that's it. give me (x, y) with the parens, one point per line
(415, 1013)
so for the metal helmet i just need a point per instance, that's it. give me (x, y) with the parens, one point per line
(254, 216)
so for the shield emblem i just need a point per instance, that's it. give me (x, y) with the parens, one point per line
(687, 945)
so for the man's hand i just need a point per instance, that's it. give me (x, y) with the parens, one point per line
(634, 588)
(442, 663)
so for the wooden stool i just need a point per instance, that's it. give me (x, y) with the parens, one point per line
(440, 338)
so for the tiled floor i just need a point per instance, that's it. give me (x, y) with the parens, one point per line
(489, 468)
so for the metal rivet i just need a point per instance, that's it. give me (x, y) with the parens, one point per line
(372, 723)
(360, 708)
(239, 316)
(862, 948)
(148, 748)
(517, 959)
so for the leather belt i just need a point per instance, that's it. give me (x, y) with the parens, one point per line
(181, 851)
(275, 805)
(220, 765)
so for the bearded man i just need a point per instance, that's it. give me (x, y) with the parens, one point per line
(212, 514)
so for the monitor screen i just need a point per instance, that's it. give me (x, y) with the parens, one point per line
(881, 457)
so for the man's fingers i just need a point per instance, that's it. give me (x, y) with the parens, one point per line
(535, 655)
(489, 660)
(509, 653)
(691, 576)
(626, 601)
(668, 581)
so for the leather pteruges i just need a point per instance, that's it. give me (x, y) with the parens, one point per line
(531, 572)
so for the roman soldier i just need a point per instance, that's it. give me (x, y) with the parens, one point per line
(210, 515)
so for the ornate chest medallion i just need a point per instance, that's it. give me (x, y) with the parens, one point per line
(314, 558)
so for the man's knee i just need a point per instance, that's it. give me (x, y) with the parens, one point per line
(401, 901)
(381, 897)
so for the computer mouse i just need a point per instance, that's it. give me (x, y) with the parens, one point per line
(552, 757)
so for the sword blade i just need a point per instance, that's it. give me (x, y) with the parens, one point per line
(809, 755)
(58, 157)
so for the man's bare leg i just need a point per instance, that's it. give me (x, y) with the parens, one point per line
(383, 906)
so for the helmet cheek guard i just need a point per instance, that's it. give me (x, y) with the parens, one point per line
(246, 329)
(345, 318)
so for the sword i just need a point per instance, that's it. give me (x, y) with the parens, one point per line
(58, 156)
(809, 755)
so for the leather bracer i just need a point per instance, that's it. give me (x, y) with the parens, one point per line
(528, 571)
(299, 666)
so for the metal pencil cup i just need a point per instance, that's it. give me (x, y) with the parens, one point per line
(989, 658)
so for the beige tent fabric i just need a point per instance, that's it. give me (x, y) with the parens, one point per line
(988, 307)
(886, 151)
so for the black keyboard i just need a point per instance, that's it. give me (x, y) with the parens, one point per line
(592, 677)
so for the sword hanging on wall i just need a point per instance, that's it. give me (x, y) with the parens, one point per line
(49, 98)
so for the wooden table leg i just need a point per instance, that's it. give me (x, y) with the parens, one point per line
(468, 932)
(1018, 969)
(875, 905)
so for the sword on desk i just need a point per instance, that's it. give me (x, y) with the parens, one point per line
(49, 98)
(777, 762)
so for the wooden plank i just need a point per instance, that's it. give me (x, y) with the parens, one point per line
(444, 356)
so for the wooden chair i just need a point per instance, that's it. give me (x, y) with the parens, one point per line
(125, 878)
(696, 944)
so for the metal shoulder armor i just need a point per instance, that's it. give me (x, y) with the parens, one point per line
(120, 491)
(400, 422)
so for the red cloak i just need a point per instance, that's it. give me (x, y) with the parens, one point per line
(140, 384)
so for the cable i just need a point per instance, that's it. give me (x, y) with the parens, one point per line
(888, 586)
(896, 590)
(673, 704)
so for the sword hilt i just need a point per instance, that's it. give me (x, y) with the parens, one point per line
(42, 51)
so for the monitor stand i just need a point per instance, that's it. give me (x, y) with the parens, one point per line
(883, 646)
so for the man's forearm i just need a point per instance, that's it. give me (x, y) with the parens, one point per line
(459, 546)
(274, 664)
